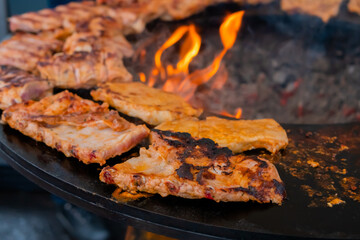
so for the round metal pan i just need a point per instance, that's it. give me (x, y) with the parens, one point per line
(197, 219)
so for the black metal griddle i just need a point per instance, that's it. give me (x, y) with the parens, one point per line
(297, 218)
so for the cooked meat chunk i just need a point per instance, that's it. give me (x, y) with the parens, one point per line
(238, 135)
(89, 42)
(25, 50)
(177, 164)
(63, 16)
(46, 19)
(354, 6)
(147, 10)
(18, 86)
(77, 127)
(323, 9)
(74, 12)
(135, 17)
(83, 69)
(135, 99)
(101, 26)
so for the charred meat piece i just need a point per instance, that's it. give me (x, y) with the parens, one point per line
(135, 99)
(18, 86)
(83, 69)
(25, 50)
(89, 42)
(177, 164)
(77, 127)
(238, 135)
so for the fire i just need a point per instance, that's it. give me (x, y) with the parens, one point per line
(237, 115)
(142, 77)
(177, 79)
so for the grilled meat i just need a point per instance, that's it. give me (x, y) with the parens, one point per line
(238, 135)
(17, 86)
(63, 16)
(135, 99)
(101, 26)
(135, 16)
(323, 9)
(168, 9)
(89, 42)
(46, 19)
(83, 69)
(77, 127)
(177, 164)
(25, 50)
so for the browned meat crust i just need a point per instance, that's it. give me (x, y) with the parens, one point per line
(101, 26)
(354, 6)
(135, 99)
(89, 42)
(25, 50)
(46, 19)
(77, 127)
(177, 164)
(147, 10)
(323, 9)
(63, 16)
(83, 69)
(17, 86)
(238, 135)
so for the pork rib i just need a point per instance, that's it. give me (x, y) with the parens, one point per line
(177, 164)
(77, 127)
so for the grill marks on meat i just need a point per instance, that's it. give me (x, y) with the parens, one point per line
(166, 9)
(77, 127)
(132, 19)
(63, 16)
(83, 69)
(238, 135)
(153, 106)
(25, 50)
(177, 164)
(89, 42)
(17, 86)
(90, 56)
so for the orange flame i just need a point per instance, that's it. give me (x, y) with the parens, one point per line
(237, 115)
(228, 32)
(142, 77)
(178, 79)
(188, 51)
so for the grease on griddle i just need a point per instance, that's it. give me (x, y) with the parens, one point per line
(124, 196)
(320, 160)
(334, 200)
(351, 186)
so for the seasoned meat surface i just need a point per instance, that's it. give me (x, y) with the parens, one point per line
(177, 164)
(18, 86)
(25, 50)
(169, 9)
(63, 16)
(83, 69)
(238, 135)
(77, 127)
(89, 42)
(135, 99)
